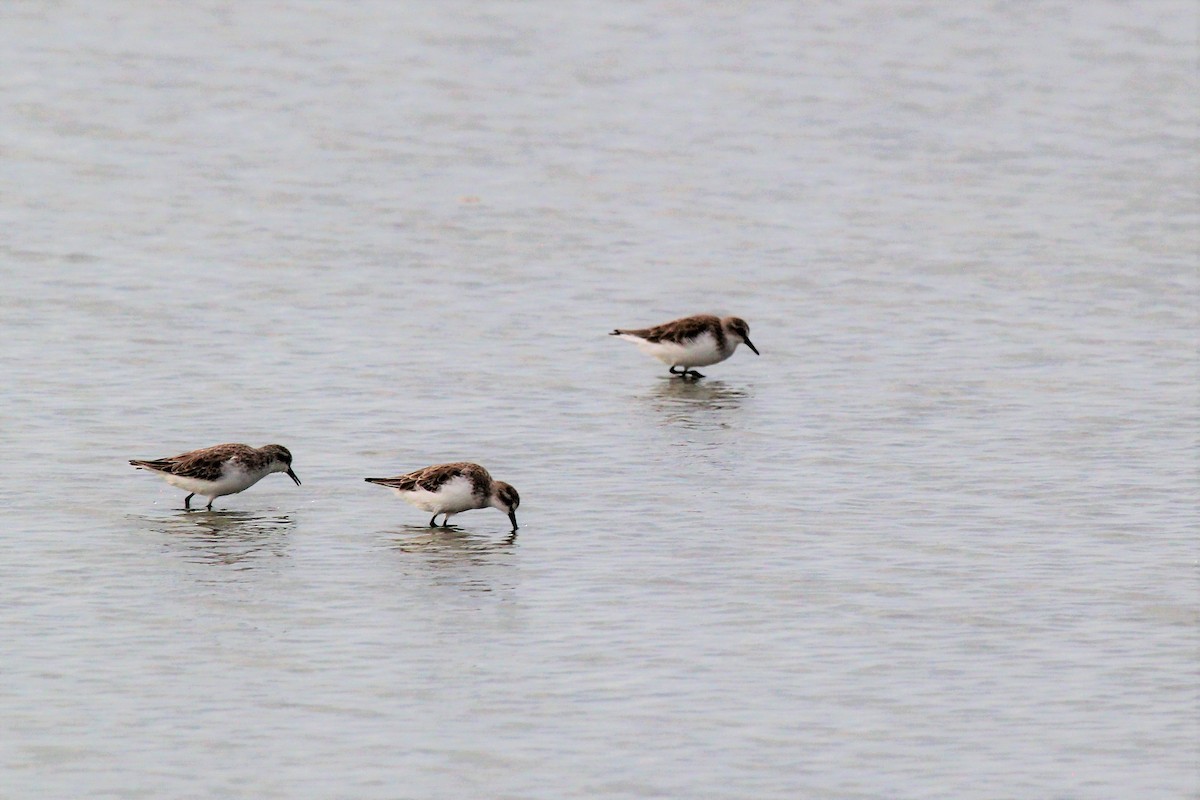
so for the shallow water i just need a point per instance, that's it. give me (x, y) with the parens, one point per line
(937, 541)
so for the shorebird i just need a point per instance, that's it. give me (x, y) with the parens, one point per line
(451, 488)
(691, 341)
(220, 470)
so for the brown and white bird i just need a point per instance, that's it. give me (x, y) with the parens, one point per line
(220, 470)
(695, 341)
(451, 488)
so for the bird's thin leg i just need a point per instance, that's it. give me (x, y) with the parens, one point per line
(209, 506)
(187, 501)
(446, 521)
(691, 373)
(433, 520)
(682, 371)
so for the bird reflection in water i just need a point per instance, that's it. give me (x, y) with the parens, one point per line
(696, 404)
(230, 538)
(456, 557)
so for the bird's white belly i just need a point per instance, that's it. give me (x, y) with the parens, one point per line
(232, 481)
(453, 496)
(698, 352)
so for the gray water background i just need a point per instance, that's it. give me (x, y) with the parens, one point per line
(938, 541)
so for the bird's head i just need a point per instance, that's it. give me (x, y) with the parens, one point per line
(505, 498)
(739, 329)
(281, 460)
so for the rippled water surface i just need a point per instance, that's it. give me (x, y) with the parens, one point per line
(938, 541)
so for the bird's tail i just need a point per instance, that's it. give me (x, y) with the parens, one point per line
(394, 483)
(160, 465)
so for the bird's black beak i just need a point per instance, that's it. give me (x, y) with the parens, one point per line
(751, 346)
(512, 515)
(292, 475)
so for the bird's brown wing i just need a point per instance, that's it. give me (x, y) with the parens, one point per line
(431, 478)
(205, 464)
(677, 331)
